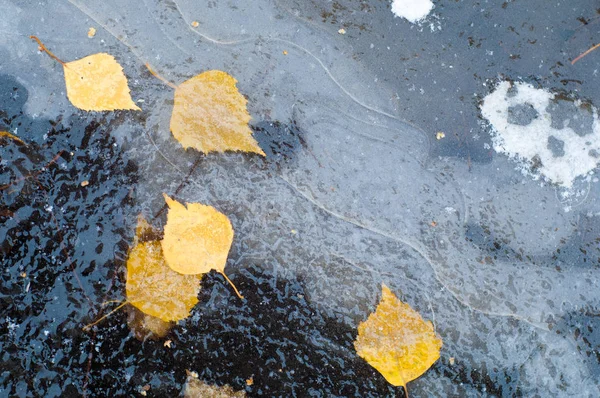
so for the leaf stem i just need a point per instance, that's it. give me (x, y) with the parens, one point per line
(110, 302)
(589, 50)
(233, 286)
(87, 327)
(159, 77)
(43, 48)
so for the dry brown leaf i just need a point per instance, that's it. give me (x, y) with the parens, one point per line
(95, 82)
(157, 290)
(210, 115)
(396, 341)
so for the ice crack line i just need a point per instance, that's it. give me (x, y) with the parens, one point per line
(292, 44)
(415, 246)
(88, 13)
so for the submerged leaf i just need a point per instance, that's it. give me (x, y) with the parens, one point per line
(197, 238)
(156, 289)
(195, 388)
(396, 341)
(145, 232)
(144, 326)
(210, 115)
(97, 83)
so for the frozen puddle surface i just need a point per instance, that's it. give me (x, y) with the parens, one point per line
(554, 137)
(347, 198)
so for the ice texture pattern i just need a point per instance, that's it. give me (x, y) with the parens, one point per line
(355, 191)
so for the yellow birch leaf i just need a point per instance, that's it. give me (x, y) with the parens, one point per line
(210, 115)
(95, 82)
(396, 341)
(157, 290)
(197, 238)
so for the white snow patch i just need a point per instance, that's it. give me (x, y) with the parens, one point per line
(524, 143)
(413, 10)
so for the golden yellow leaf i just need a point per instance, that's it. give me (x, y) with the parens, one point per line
(154, 288)
(396, 341)
(95, 82)
(210, 115)
(197, 238)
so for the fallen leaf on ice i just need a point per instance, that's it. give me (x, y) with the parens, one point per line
(210, 115)
(197, 239)
(396, 341)
(157, 290)
(95, 82)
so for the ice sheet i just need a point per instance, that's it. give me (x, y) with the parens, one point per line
(360, 200)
